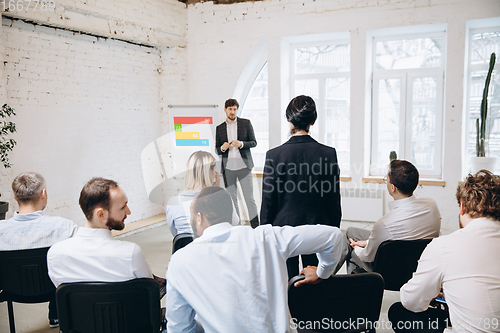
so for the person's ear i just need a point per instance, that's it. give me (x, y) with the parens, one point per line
(43, 194)
(198, 219)
(462, 211)
(100, 213)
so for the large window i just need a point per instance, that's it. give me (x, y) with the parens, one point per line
(483, 42)
(407, 101)
(255, 107)
(322, 72)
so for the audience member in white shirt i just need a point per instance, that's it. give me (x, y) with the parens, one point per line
(409, 218)
(29, 228)
(200, 173)
(235, 278)
(92, 254)
(465, 265)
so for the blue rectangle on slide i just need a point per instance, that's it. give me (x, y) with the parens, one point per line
(191, 142)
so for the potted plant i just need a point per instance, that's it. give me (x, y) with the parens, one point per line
(6, 146)
(481, 161)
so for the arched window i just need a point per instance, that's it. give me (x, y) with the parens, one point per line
(255, 107)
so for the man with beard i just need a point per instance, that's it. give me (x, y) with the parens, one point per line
(233, 140)
(92, 254)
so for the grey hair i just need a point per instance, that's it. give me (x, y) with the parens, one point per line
(28, 186)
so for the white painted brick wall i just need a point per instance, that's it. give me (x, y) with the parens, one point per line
(86, 107)
(152, 21)
(5, 192)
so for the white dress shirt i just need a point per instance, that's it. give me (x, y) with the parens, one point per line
(235, 278)
(93, 255)
(33, 231)
(408, 219)
(234, 159)
(179, 213)
(466, 264)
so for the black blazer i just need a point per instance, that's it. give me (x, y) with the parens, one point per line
(244, 133)
(301, 184)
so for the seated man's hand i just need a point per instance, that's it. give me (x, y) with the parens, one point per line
(311, 277)
(354, 244)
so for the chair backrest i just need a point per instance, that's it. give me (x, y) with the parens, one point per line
(109, 307)
(24, 277)
(181, 240)
(396, 260)
(349, 302)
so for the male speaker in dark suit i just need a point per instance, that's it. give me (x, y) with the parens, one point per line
(233, 140)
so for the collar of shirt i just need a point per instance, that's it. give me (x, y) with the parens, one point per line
(398, 203)
(233, 123)
(94, 233)
(211, 233)
(482, 222)
(28, 217)
(189, 193)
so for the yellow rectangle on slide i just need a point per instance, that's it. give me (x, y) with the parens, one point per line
(187, 135)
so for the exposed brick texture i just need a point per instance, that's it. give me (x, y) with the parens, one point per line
(85, 107)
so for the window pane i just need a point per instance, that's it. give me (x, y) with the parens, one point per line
(309, 88)
(322, 59)
(337, 97)
(483, 45)
(256, 109)
(423, 119)
(477, 81)
(389, 103)
(409, 53)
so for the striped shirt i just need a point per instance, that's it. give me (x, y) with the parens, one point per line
(34, 230)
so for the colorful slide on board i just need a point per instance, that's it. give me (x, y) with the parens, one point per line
(192, 131)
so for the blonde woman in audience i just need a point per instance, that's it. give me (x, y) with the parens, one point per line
(200, 173)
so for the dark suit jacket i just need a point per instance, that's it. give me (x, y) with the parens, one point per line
(301, 184)
(244, 133)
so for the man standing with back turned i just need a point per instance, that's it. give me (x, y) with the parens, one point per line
(233, 140)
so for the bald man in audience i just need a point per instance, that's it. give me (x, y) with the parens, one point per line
(30, 228)
(235, 278)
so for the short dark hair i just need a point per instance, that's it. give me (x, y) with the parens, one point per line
(95, 194)
(27, 187)
(301, 112)
(480, 195)
(231, 102)
(214, 204)
(404, 176)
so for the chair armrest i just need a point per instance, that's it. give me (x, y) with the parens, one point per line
(295, 279)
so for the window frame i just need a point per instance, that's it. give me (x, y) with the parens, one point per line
(321, 79)
(470, 68)
(406, 77)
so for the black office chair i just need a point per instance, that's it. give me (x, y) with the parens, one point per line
(397, 260)
(24, 279)
(341, 299)
(181, 240)
(109, 307)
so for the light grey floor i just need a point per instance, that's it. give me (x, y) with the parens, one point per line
(156, 245)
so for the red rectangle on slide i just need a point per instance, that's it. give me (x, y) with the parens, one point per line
(192, 120)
